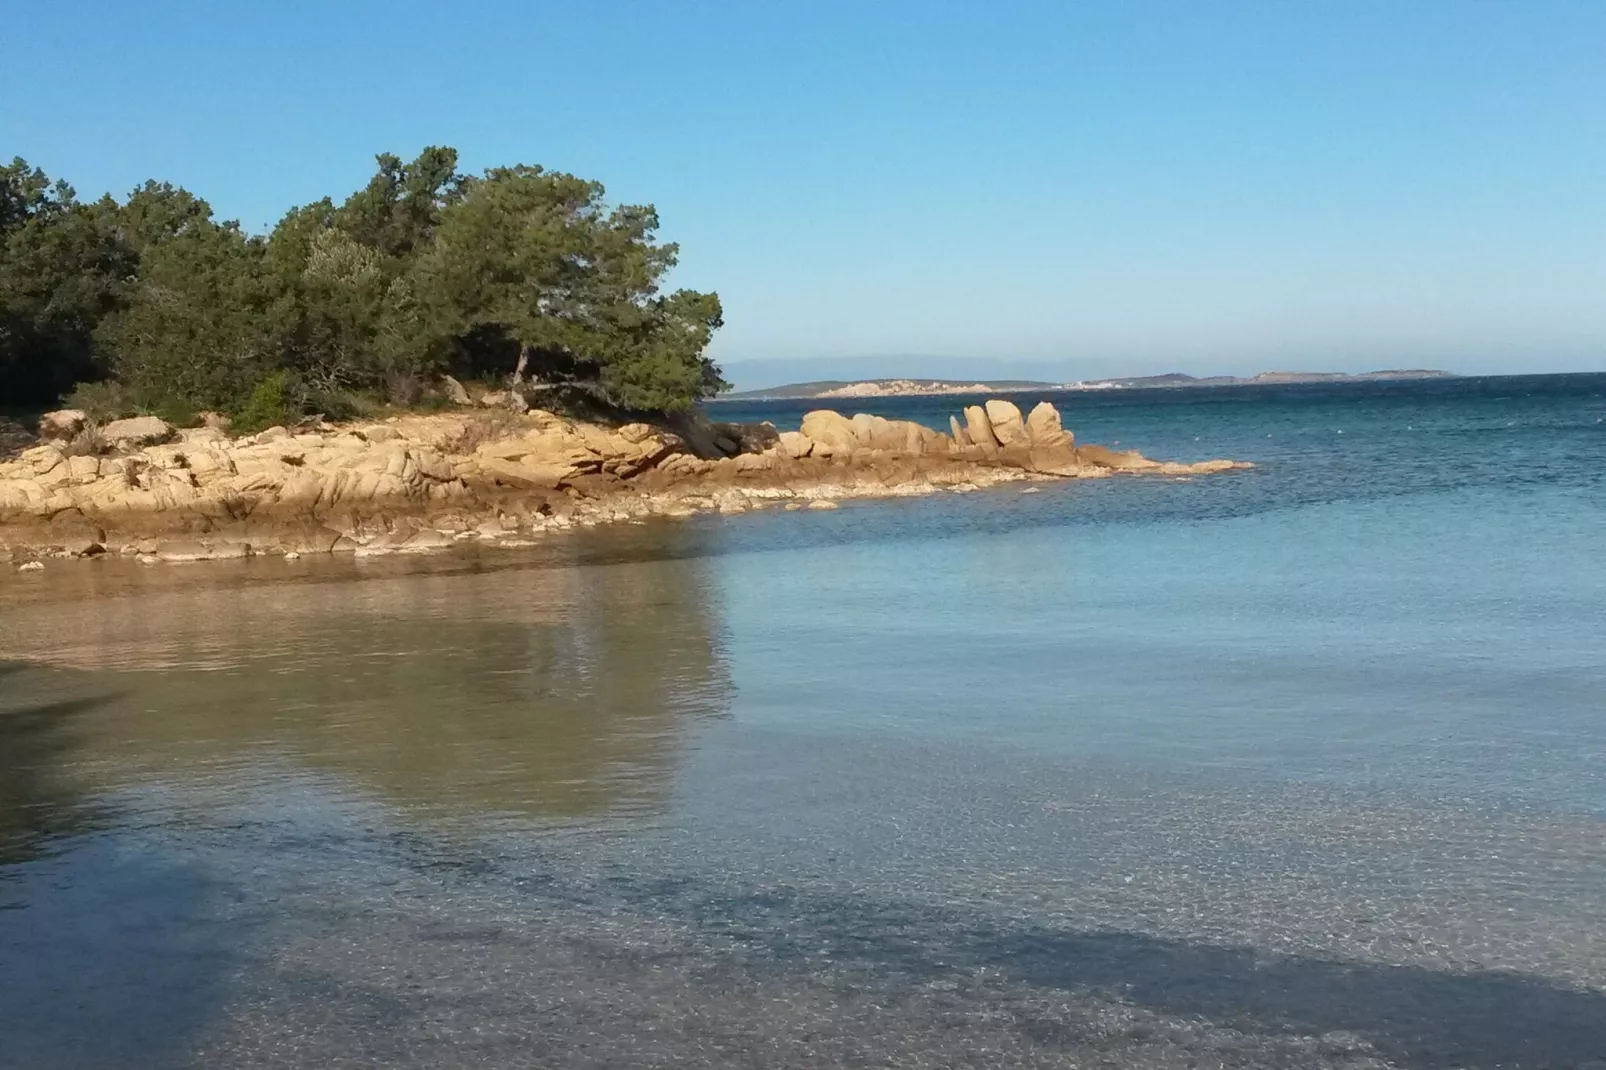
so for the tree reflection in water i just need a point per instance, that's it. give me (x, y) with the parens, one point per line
(532, 688)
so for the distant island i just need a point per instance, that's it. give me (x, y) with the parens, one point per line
(880, 388)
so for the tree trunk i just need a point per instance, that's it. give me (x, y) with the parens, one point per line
(524, 362)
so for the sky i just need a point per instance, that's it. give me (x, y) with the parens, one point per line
(1065, 188)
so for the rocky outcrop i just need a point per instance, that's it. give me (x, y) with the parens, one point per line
(1043, 427)
(1005, 418)
(420, 482)
(136, 431)
(831, 432)
(795, 444)
(979, 427)
(960, 436)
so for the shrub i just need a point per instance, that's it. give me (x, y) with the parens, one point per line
(268, 405)
(102, 402)
(335, 404)
(86, 443)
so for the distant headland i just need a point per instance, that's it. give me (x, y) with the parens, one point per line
(880, 388)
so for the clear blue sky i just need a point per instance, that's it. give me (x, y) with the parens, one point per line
(1097, 186)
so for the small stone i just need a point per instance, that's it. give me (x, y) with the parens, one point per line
(292, 555)
(455, 392)
(823, 504)
(31, 566)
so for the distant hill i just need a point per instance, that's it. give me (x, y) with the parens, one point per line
(878, 388)
(827, 389)
(1178, 379)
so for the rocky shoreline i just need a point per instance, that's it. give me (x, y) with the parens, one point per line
(426, 482)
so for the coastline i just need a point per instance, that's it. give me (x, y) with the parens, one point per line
(866, 389)
(423, 483)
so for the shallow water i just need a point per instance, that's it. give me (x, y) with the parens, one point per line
(1303, 766)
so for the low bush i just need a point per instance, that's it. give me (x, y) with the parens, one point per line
(268, 405)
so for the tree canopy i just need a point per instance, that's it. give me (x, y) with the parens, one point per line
(518, 274)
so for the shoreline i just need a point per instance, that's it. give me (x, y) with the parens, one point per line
(899, 387)
(426, 483)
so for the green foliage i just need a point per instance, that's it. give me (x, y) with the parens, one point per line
(517, 273)
(195, 328)
(61, 270)
(534, 263)
(102, 401)
(267, 405)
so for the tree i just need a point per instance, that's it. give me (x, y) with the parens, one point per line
(516, 272)
(62, 268)
(397, 212)
(197, 328)
(533, 262)
(351, 318)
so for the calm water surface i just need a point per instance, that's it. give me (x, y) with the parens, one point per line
(1299, 767)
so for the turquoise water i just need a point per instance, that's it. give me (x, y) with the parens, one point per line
(1300, 766)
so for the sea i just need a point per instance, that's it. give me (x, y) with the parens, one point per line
(1297, 766)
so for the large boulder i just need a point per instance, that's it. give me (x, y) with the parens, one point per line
(795, 444)
(1008, 427)
(455, 392)
(1043, 427)
(868, 429)
(978, 427)
(62, 424)
(960, 436)
(831, 432)
(137, 431)
(880, 433)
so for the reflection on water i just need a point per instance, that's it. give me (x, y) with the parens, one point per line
(227, 727)
(38, 803)
(543, 691)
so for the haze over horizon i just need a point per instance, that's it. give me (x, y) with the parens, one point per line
(745, 375)
(1099, 189)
